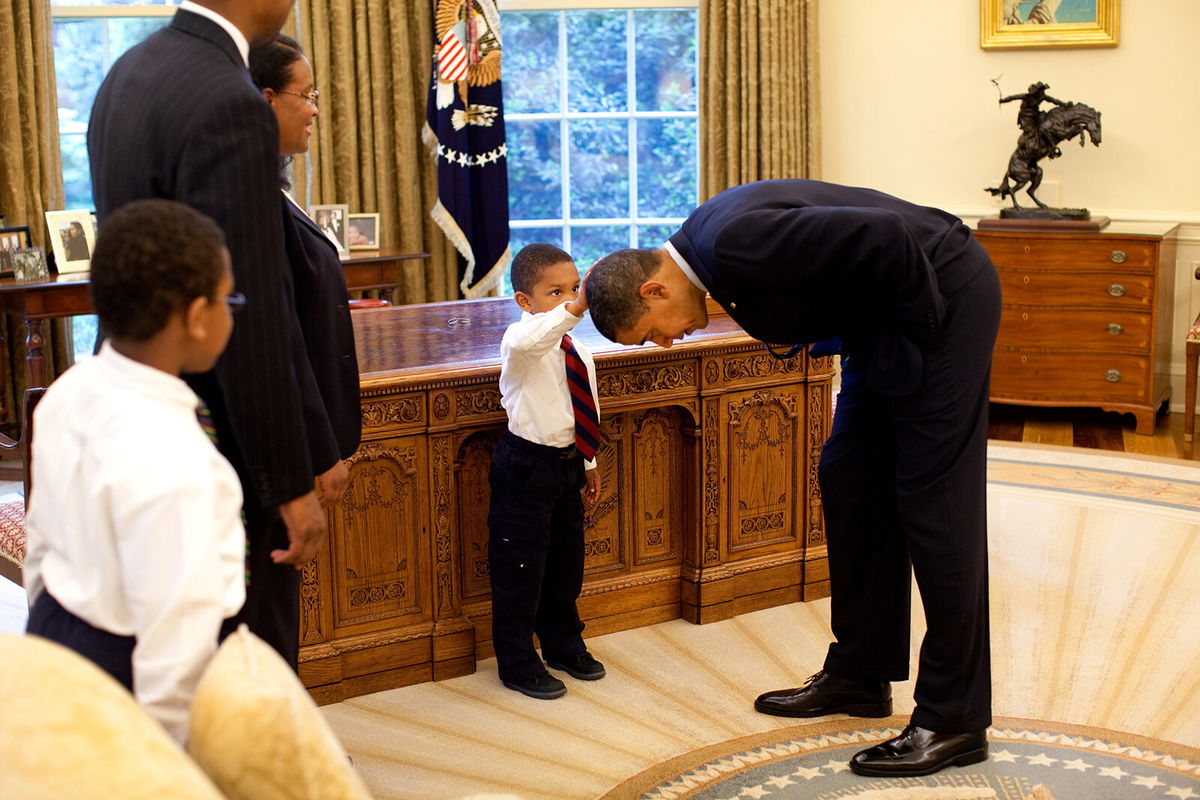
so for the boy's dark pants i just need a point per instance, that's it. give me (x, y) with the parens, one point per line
(535, 554)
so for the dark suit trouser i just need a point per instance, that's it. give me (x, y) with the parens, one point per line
(272, 607)
(109, 651)
(535, 554)
(903, 482)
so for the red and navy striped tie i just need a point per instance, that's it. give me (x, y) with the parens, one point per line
(587, 421)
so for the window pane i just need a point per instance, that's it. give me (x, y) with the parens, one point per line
(84, 49)
(596, 66)
(534, 169)
(666, 59)
(531, 66)
(666, 167)
(589, 242)
(652, 236)
(599, 168)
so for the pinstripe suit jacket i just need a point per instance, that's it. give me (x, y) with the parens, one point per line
(178, 117)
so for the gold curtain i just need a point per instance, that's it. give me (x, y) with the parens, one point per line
(372, 61)
(30, 167)
(759, 100)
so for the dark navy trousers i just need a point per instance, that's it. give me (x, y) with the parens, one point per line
(535, 554)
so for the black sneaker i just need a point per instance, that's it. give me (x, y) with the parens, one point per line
(582, 666)
(541, 687)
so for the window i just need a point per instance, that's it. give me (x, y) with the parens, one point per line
(88, 38)
(601, 122)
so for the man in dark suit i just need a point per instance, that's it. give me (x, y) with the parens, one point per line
(178, 117)
(915, 303)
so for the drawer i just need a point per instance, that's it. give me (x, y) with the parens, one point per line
(1118, 291)
(1077, 378)
(1032, 327)
(1057, 252)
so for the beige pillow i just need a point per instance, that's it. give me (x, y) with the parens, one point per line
(258, 734)
(67, 729)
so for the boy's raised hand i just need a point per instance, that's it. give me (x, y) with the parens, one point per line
(579, 304)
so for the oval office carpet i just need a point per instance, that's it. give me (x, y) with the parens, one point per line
(1095, 576)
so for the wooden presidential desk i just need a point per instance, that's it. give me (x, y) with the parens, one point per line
(710, 505)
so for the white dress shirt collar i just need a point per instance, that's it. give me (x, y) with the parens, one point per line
(146, 380)
(239, 38)
(684, 267)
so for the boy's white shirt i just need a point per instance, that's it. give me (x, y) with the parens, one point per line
(533, 378)
(134, 522)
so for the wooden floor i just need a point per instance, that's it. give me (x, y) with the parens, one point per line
(1089, 428)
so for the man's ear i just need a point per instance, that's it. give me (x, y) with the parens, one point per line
(655, 289)
(194, 322)
(523, 301)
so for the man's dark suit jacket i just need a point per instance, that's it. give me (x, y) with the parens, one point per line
(178, 117)
(800, 261)
(331, 407)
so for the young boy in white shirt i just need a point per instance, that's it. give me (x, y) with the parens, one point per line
(136, 548)
(539, 468)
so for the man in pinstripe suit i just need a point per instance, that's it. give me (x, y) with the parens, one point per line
(178, 117)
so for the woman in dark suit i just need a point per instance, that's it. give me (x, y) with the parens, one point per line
(330, 388)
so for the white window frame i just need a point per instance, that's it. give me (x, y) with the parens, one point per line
(567, 222)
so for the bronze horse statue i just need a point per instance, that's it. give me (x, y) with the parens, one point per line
(1041, 132)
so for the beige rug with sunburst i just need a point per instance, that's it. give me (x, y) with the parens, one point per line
(1095, 574)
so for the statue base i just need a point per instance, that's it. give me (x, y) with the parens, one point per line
(1045, 220)
(1045, 213)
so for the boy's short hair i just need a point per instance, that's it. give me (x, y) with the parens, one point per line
(612, 289)
(531, 261)
(153, 258)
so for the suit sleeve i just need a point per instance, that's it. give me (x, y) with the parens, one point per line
(229, 169)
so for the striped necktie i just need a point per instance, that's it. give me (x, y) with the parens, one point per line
(587, 421)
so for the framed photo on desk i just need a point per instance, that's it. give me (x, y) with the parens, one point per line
(362, 231)
(12, 239)
(331, 219)
(72, 237)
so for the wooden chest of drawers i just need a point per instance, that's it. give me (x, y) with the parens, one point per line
(1086, 318)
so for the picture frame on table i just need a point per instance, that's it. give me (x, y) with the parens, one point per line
(362, 231)
(1010, 24)
(72, 239)
(331, 219)
(29, 264)
(12, 238)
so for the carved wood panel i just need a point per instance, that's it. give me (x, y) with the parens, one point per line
(763, 459)
(657, 452)
(376, 534)
(472, 495)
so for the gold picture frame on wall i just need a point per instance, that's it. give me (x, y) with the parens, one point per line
(1009, 24)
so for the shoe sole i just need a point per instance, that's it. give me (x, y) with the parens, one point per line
(536, 695)
(870, 710)
(961, 760)
(583, 676)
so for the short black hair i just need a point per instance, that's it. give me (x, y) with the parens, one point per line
(153, 258)
(531, 261)
(612, 289)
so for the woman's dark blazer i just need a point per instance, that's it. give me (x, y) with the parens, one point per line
(333, 418)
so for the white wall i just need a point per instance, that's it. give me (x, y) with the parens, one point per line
(908, 107)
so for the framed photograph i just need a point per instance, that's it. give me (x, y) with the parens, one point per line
(14, 238)
(331, 219)
(1008, 24)
(362, 231)
(29, 264)
(72, 239)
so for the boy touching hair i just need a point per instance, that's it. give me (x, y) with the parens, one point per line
(540, 465)
(135, 539)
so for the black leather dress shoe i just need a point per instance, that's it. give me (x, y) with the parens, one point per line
(919, 751)
(828, 694)
(541, 687)
(583, 666)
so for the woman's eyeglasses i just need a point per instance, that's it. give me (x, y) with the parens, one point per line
(311, 97)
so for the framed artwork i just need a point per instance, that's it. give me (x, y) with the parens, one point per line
(362, 231)
(72, 239)
(331, 219)
(29, 264)
(11, 239)
(1008, 24)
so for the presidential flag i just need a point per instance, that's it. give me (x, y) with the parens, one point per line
(465, 131)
